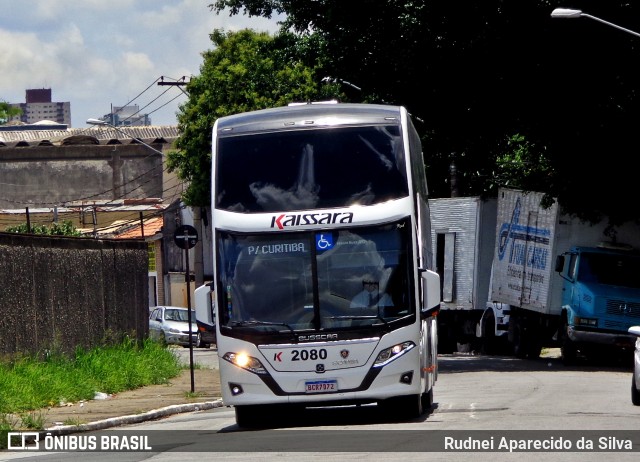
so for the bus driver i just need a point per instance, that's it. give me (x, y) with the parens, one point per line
(370, 296)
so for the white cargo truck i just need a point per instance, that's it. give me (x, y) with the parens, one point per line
(463, 237)
(587, 306)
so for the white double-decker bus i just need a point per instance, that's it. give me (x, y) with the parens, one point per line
(323, 277)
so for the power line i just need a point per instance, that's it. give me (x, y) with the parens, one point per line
(159, 81)
(175, 188)
(182, 82)
(72, 215)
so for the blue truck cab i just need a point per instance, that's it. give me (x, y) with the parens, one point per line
(600, 299)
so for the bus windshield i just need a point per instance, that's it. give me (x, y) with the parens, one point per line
(309, 169)
(361, 276)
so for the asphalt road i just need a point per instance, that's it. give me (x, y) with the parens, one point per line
(476, 399)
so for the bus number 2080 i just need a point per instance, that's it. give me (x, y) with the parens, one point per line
(305, 355)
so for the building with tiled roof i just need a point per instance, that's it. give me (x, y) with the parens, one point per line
(110, 183)
(47, 133)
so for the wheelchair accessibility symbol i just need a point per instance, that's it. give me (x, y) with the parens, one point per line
(324, 241)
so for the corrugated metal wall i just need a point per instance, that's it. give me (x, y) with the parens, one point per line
(471, 223)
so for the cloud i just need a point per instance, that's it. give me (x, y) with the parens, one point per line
(96, 53)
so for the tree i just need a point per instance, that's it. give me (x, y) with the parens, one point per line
(246, 71)
(7, 111)
(480, 73)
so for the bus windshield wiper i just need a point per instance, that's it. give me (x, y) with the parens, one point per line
(254, 322)
(360, 317)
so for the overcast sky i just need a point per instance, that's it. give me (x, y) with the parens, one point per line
(102, 53)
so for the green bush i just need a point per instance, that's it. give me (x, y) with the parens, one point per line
(65, 228)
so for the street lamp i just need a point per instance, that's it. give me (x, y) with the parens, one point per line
(336, 80)
(107, 124)
(570, 14)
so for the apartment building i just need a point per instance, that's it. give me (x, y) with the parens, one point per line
(38, 107)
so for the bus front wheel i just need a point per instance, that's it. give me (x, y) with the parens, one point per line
(248, 416)
(405, 407)
(427, 400)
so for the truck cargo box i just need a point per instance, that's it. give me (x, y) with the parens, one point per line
(463, 236)
(529, 238)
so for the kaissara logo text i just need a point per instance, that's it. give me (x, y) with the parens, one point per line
(307, 219)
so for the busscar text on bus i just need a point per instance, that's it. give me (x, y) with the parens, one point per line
(323, 288)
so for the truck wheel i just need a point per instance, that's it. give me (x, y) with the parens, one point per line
(534, 350)
(489, 340)
(568, 350)
(635, 394)
(520, 347)
(526, 338)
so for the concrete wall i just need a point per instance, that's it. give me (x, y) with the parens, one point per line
(61, 293)
(53, 175)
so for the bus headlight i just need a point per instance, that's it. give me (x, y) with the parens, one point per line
(246, 362)
(389, 354)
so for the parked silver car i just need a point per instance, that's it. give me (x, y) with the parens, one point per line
(635, 378)
(171, 325)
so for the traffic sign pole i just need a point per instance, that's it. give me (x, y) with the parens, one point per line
(187, 280)
(186, 238)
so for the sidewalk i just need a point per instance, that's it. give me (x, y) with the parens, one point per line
(149, 403)
(134, 406)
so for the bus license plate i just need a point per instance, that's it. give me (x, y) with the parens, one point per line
(321, 386)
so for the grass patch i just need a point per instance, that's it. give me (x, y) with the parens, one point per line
(7, 423)
(30, 385)
(194, 394)
(73, 421)
(34, 420)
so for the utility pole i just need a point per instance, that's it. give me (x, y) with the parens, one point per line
(178, 83)
(198, 267)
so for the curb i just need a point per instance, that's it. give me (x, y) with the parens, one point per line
(131, 419)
